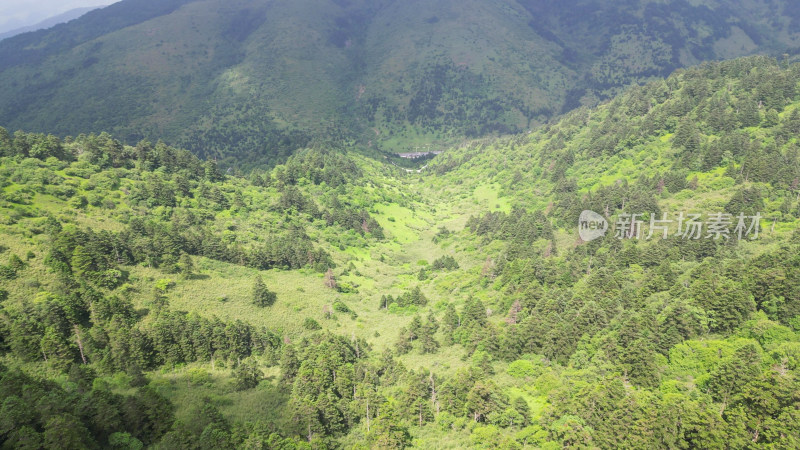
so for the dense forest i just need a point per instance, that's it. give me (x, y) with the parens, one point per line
(150, 299)
(250, 81)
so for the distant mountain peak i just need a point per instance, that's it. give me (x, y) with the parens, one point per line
(50, 21)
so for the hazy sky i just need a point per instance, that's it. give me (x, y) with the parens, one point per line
(20, 13)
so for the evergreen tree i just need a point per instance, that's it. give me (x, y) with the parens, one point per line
(81, 262)
(247, 374)
(66, 431)
(427, 332)
(451, 322)
(521, 406)
(262, 296)
(186, 265)
(55, 349)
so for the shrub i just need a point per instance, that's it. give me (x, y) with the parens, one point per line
(311, 324)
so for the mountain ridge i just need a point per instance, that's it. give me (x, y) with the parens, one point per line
(257, 80)
(49, 22)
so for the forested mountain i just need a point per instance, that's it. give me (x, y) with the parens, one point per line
(259, 79)
(149, 299)
(49, 22)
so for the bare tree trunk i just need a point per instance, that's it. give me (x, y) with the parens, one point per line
(433, 394)
(368, 414)
(80, 344)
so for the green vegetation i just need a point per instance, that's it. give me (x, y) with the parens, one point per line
(250, 82)
(147, 298)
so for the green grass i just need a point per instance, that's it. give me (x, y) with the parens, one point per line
(487, 197)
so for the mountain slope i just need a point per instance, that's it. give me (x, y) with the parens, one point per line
(337, 301)
(260, 79)
(50, 22)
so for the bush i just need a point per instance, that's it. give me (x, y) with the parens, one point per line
(7, 273)
(78, 202)
(342, 308)
(164, 284)
(311, 324)
(346, 288)
(521, 368)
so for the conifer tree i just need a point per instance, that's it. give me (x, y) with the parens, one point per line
(186, 265)
(262, 296)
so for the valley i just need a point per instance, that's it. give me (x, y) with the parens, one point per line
(149, 298)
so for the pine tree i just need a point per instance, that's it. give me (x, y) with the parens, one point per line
(388, 430)
(415, 328)
(211, 171)
(6, 144)
(403, 344)
(247, 375)
(474, 312)
(55, 349)
(290, 363)
(81, 261)
(521, 406)
(748, 115)
(427, 333)
(186, 265)
(262, 296)
(479, 401)
(513, 312)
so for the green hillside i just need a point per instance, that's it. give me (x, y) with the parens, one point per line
(256, 80)
(335, 301)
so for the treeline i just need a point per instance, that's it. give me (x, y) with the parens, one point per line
(623, 325)
(318, 166)
(413, 297)
(87, 327)
(99, 257)
(336, 386)
(520, 228)
(192, 193)
(83, 325)
(103, 151)
(88, 321)
(626, 338)
(80, 414)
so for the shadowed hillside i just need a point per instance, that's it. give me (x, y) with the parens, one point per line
(259, 79)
